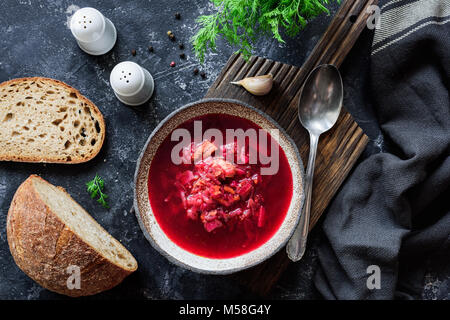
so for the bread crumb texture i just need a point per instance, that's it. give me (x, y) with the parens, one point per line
(46, 120)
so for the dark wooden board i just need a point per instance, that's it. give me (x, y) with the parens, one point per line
(338, 149)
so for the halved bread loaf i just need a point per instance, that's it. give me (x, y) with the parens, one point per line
(48, 232)
(46, 120)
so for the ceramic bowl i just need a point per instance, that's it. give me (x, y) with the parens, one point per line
(153, 231)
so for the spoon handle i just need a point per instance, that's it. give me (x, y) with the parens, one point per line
(297, 244)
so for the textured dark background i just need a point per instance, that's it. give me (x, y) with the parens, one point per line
(35, 41)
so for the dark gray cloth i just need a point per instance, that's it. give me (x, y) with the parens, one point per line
(394, 209)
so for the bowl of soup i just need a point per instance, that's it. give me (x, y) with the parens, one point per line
(218, 187)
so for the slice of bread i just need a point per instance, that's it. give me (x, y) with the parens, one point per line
(48, 232)
(46, 120)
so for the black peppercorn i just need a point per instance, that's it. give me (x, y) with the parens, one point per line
(177, 16)
(195, 71)
(150, 48)
(133, 52)
(182, 56)
(203, 74)
(172, 37)
(181, 46)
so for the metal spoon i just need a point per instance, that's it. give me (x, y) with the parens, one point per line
(318, 109)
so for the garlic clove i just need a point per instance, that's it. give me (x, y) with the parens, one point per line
(259, 85)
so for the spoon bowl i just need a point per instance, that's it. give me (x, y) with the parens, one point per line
(318, 110)
(321, 99)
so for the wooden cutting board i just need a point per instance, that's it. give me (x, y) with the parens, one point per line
(338, 149)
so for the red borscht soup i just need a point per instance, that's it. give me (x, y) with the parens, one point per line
(216, 203)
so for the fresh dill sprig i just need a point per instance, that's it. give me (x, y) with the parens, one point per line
(95, 188)
(241, 22)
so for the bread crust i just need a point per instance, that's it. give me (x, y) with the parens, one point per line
(93, 107)
(43, 247)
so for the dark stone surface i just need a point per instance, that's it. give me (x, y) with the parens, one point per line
(35, 41)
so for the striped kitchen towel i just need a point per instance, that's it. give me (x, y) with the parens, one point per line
(390, 222)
